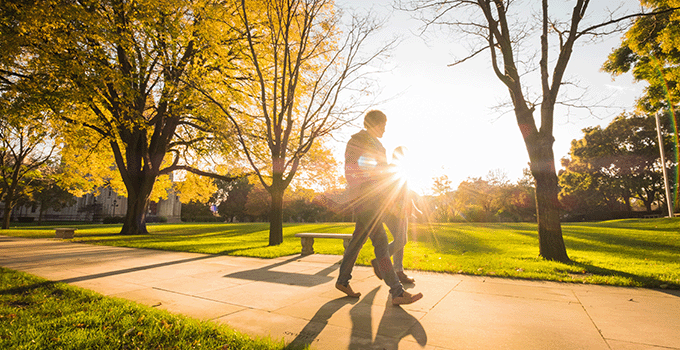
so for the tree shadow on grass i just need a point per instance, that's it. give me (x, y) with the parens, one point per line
(660, 224)
(29, 288)
(622, 246)
(450, 239)
(641, 280)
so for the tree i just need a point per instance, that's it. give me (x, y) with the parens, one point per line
(503, 35)
(299, 66)
(50, 194)
(26, 145)
(516, 202)
(232, 197)
(123, 66)
(196, 211)
(612, 165)
(651, 51)
(27, 138)
(258, 204)
(15, 64)
(474, 199)
(443, 199)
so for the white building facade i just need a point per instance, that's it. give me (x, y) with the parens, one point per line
(94, 208)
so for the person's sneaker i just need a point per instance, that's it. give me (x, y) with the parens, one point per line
(347, 290)
(404, 278)
(406, 298)
(376, 268)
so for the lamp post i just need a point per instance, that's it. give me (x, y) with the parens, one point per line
(663, 166)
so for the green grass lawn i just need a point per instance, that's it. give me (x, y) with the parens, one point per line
(38, 314)
(643, 253)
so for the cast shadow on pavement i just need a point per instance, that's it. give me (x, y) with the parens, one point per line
(266, 274)
(394, 325)
(134, 269)
(21, 289)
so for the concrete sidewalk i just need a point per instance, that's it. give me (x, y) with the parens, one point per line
(294, 298)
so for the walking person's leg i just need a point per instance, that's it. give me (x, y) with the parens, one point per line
(400, 239)
(380, 247)
(358, 240)
(398, 226)
(398, 229)
(391, 221)
(384, 263)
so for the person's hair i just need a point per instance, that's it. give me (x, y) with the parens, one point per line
(399, 152)
(373, 118)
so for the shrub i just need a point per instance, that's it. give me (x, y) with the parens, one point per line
(113, 220)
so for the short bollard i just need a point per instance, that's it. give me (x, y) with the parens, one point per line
(64, 232)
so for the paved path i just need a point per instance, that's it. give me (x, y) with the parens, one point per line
(294, 298)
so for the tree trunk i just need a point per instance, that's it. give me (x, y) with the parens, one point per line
(40, 214)
(276, 218)
(648, 203)
(626, 200)
(550, 240)
(135, 217)
(7, 212)
(137, 206)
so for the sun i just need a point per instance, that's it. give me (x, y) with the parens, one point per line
(402, 165)
(413, 170)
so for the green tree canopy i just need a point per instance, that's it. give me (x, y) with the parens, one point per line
(650, 50)
(609, 167)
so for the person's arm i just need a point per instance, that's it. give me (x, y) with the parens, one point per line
(352, 170)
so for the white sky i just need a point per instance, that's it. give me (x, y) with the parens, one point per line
(445, 115)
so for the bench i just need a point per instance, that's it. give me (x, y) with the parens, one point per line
(64, 232)
(308, 240)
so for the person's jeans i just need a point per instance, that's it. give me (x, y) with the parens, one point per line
(369, 224)
(398, 225)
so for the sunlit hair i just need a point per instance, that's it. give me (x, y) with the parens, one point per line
(374, 118)
(399, 153)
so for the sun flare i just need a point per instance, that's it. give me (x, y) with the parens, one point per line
(404, 168)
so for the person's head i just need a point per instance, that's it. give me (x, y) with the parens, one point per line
(399, 153)
(375, 122)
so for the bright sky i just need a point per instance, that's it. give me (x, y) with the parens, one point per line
(445, 115)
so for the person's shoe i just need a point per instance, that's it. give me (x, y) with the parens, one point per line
(347, 290)
(406, 298)
(404, 278)
(376, 268)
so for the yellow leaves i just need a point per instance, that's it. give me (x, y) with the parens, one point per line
(319, 169)
(194, 187)
(87, 163)
(160, 188)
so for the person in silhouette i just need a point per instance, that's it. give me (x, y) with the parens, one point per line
(402, 207)
(368, 176)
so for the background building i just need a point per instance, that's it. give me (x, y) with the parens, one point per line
(95, 208)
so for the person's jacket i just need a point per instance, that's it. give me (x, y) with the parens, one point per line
(365, 165)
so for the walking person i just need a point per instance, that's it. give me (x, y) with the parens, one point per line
(397, 217)
(368, 177)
